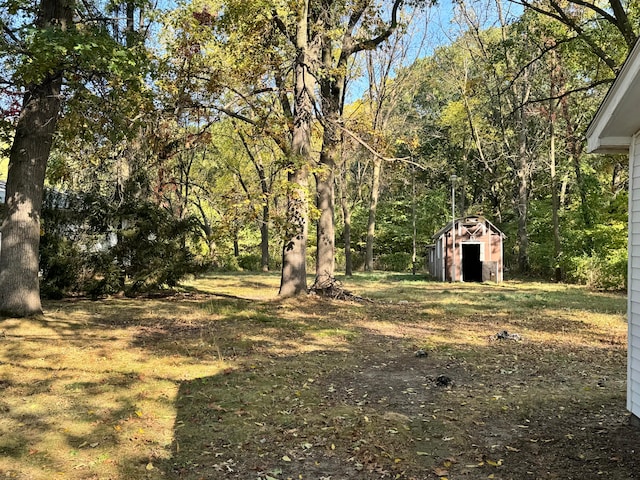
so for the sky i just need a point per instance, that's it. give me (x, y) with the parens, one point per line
(435, 27)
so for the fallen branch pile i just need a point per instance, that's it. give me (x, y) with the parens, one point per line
(332, 288)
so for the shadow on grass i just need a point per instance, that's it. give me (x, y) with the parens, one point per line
(374, 410)
(233, 388)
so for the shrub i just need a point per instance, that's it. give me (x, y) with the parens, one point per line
(394, 262)
(228, 263)
(250, 261)
(61, 266)
(77, 256)
(607, 271)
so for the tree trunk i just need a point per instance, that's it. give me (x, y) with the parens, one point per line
(373, 205)
(555, 195)
(19, 283)
(522, 171)
(325, 262)
(414, 222)
(264, 187)
(236, 244)
(522, 196)
(293, 280)
(294, 271)
(555, 207)
(346, 236)
(574, 147)
(332, 89)
(264, 224)
(264, 237)
(523, 204)
(129, 31)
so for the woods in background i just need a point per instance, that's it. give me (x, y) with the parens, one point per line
(223, 135)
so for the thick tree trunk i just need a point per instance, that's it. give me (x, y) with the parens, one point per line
(325, 262)
(294, 271)
(293, 280)
(373, 205)
(19, 283)
(332, 103)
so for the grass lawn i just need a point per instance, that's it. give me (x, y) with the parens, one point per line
(225, 381)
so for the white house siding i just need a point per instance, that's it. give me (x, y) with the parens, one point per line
(633, 310)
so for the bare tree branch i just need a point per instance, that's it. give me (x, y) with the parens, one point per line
(377, 154)
(374, 42)
(564, 94)
(561, 16)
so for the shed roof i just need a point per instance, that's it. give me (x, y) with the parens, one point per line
(617, 119)
(468, 221)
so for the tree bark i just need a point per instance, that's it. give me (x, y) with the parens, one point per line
(346, 236)
(19, 265)
(264, 237)
(293, 280)
(523, 202)
(574, 148)
(555, 194)
(325, 262)
(414, 223)
(264, 188)
(373, 205)
(555, 205)
(332, 89)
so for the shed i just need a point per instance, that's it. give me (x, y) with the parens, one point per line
(478, 252)
(615, 128)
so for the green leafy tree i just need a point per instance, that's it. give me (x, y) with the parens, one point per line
(41, 78)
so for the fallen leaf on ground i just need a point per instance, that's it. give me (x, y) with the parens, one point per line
(441, 472)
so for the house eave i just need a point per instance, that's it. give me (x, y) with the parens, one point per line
(608, 145)
(617, 120)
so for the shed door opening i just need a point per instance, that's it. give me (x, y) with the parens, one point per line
(471, 263)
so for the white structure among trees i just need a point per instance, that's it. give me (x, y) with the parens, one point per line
(616, 129)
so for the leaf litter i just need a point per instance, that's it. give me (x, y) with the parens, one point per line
(214, 387)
